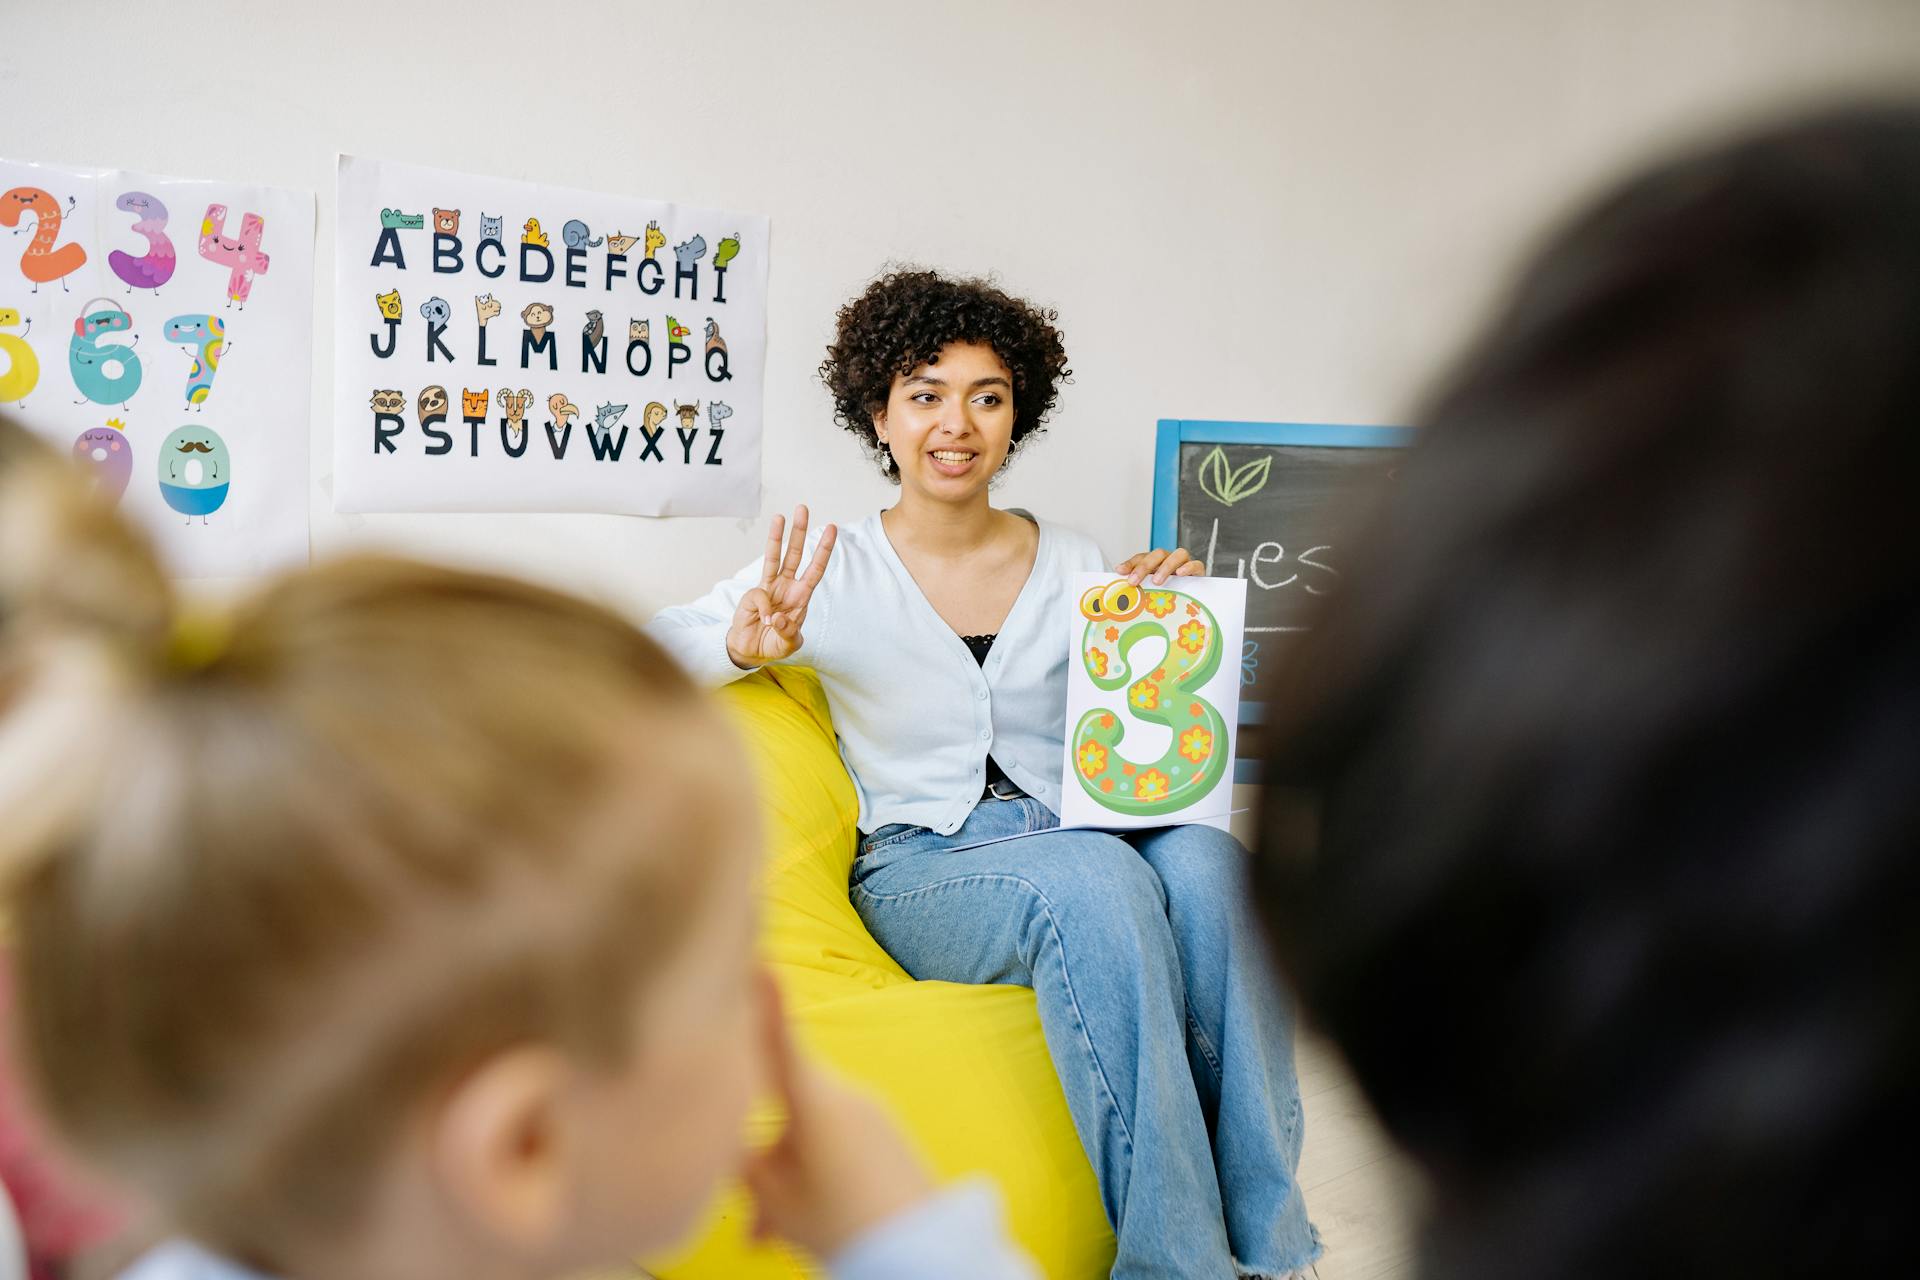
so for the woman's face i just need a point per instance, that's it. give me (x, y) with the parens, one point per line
(949, 422)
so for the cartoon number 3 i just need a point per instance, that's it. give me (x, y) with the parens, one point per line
(1120, 616)
(150, 220)
(23, 367)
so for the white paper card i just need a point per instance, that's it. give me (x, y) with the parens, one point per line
(160, 331)
(1153, 701)
(507, 346)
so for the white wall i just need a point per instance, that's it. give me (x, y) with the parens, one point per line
(1283, 210)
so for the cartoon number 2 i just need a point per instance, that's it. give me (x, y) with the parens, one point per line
(41, 263)
(23, 367)
(1120, 616)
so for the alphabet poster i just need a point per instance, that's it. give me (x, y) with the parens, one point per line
(1153, 701)
(505, 346)
(160, 330)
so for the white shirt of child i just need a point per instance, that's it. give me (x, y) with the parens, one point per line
(955, 1235)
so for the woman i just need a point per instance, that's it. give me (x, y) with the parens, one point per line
(935, 628)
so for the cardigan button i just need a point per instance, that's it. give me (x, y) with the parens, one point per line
(986, 735)
(981, 694)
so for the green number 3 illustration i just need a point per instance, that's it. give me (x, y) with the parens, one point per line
(1120, 616)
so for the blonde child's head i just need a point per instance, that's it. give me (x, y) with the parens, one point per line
(396, 921)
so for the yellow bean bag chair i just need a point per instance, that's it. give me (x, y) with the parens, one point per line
(963, 1069)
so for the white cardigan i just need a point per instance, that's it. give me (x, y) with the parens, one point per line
(916, 715)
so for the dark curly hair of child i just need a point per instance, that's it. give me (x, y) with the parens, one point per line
(903, 320)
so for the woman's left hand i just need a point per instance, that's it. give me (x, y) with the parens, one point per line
(1161, 565)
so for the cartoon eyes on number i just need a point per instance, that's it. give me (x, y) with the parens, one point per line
(1120, 601)
(1117, 601)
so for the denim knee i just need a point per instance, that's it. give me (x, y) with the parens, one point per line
(1197, 864)
(1096, 886)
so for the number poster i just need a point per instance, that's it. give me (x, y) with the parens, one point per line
(1153, 697)
(507, 346)
(160, 331)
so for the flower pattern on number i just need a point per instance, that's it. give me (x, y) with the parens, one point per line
(1196, 744)
(1093, 758)
(1151, 785)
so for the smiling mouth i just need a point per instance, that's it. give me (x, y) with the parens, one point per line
(953, 457)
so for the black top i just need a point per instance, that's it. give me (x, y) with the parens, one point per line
(980, 645)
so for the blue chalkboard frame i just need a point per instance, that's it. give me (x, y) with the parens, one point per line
(1171, 433)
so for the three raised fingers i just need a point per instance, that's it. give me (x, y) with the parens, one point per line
(784, 562)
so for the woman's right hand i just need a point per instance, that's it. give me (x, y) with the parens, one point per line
(766, 626)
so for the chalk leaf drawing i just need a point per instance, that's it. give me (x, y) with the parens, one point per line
(1226, 484)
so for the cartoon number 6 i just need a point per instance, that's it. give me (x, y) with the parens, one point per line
(87, 359)
(1120, 617)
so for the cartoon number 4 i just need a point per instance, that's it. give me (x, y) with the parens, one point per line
(241, 257)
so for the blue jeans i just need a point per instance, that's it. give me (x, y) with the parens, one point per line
(1172, 1038)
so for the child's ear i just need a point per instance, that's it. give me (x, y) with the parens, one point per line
(502, 1149)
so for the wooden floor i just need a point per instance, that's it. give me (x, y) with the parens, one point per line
(1360, 1192)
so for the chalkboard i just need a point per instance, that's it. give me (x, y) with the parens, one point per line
(1273, 503)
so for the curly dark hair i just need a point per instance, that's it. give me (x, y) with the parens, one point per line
(1619, 937)
(903, 319)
